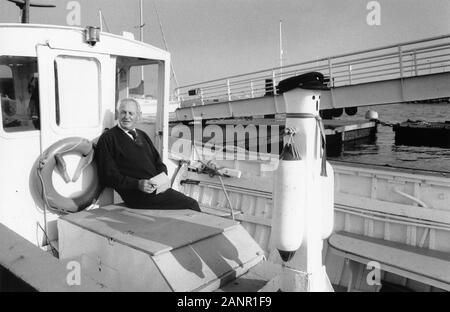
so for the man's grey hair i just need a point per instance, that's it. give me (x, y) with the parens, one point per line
(126, 100)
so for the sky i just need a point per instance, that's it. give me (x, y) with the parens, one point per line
(211, 39)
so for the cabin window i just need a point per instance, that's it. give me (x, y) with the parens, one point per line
(77, 90)
(143, 86)
(19, 93)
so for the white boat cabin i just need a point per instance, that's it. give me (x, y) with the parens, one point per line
(60, 82)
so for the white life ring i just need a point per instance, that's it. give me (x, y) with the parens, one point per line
(53, 158)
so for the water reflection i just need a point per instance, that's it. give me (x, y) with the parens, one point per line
(383, 151)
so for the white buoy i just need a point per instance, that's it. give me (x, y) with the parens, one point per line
(371, 115)
(303, 214)
(289, 216)
(295, 185)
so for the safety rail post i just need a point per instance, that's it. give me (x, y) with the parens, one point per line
(330, 72)
(202, 100)
(274, 82)
(400, 59)
(252, 91)
(416, 72)
(177, 94)
(228, 90)
(350, 73)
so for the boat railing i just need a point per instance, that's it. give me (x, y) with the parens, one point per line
(404, 60)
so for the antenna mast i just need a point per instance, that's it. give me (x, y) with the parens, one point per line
(281, 51)
(165, 42)
(24, 6)
(141, 35)
(100, 19)
(26, 12)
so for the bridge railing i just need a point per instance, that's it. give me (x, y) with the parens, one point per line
(409, 59)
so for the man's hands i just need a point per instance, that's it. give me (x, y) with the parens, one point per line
(146, 186)
(160, 183)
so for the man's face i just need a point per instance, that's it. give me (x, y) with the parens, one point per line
(128, 115)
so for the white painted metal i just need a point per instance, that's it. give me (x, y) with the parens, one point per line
(383, 63)
(408, 71)
(365, 94)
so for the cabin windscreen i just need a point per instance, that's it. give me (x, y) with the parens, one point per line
(138, 79)
(19, 93)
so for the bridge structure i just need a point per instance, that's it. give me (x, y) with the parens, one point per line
(410, 71)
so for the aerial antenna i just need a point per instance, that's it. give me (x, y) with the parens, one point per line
(281, 50)
(141, 32)
(102, 21)
(24, 6)
(165, 42)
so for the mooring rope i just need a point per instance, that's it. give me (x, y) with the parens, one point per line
(319, 122)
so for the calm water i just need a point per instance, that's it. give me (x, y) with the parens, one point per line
(384, 151)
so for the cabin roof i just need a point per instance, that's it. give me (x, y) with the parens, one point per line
(71, 38)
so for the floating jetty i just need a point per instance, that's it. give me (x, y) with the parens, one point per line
(422, 133)
(340, 132)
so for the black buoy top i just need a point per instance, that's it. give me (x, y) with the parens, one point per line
(310, 81)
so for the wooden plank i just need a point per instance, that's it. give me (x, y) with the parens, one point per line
(215, 212)
(261, 230)
(252, 219)
(195, 192)
(40, 270)
(428, 263)
(408, 174)
(151, 231)
(259, 221)
(247, 207)
(410, 211)
(207, 196)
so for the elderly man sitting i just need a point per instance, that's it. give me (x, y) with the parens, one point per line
(128, 162)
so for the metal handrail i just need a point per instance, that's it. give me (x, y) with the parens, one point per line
(344, 69)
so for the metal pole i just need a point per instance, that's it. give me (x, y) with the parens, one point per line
(416, 72)
(330, 71)
(273, 83)
(350, 73)
(228, 90)
(281, 51)
(141, 28)
(26, 12)
(141, 23)
(101, 20)
(400, 60)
